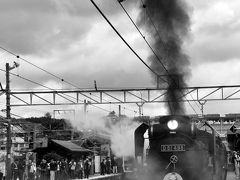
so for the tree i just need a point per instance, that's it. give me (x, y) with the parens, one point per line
(53, 156)
(48, 115)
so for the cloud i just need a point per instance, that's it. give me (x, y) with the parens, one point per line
(32, 27)
(216, 73)
(40, 27)
(215, 31)
(73, 41)
(100, 55)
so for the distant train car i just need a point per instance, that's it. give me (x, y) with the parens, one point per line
(178, 150)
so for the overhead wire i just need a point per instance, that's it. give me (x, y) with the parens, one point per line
(21, 77)
(153, 24)
(134, 52)
(159, 60)
(158, 75)
(143, 36)
(121, 37)
(63, 80)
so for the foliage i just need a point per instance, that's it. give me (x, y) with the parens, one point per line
(53, 128)
(53, 156)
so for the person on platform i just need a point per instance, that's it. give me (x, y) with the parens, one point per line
(58, 174)
(114, 165)
(108, 166)
(103, 167)
(14, 168)
(21, 169)
(87, 167)
(79, 169)
(72, 167)
(31, 170)
(43, 169)
(53, 168)
(63, 169)
(236, 161)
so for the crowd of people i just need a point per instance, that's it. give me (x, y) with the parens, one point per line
(59, 170)
(63, 169)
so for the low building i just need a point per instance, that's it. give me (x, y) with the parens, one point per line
(65, 149)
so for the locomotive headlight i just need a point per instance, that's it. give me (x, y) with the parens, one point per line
(172, 124)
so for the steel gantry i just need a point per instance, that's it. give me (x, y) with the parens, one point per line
(119, 96)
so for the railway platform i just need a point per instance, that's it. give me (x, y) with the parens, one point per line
(104, 177)
(230, 176)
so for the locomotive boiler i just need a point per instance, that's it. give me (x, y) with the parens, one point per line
(178, 150)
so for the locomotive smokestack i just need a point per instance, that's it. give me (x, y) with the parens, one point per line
(167, 22)
(174, 94)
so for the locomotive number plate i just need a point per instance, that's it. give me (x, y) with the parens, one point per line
(173, 147)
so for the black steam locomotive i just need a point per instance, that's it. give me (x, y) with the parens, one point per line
(178, 150)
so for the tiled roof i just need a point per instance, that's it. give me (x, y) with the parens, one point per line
(71, 146)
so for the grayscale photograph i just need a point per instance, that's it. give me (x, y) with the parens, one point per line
(119, 89)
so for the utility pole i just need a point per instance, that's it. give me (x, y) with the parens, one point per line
(9, 121)
(8, 115)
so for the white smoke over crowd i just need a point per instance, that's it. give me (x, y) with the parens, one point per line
(120, 131)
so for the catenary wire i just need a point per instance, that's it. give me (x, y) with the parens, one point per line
(21, 77)
(132, 48)
(25, 60)
(159, 60)
(134, 52)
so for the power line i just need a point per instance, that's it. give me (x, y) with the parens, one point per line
(144, 38)
(132, 48)
(134, 52)
(59, 78)
(159, 60)
(17, 56)
(21, 77)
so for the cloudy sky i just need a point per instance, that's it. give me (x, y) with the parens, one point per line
(71, 40)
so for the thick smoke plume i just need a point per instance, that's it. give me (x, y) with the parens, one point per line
(167, 23)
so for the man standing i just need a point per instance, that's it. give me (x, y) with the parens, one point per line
(14, 169)
(72, 167)
(21, 169)
(53, 168)
(108, 166)
(43, 169)
(103, 167)
(87, 167)
(114, 165)
(64, 169)
(31, 170)
(79, 169)
(236, 160)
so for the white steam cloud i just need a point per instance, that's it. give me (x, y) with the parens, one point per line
(120, 131)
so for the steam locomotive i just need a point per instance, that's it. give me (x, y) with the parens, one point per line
(178, 150)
